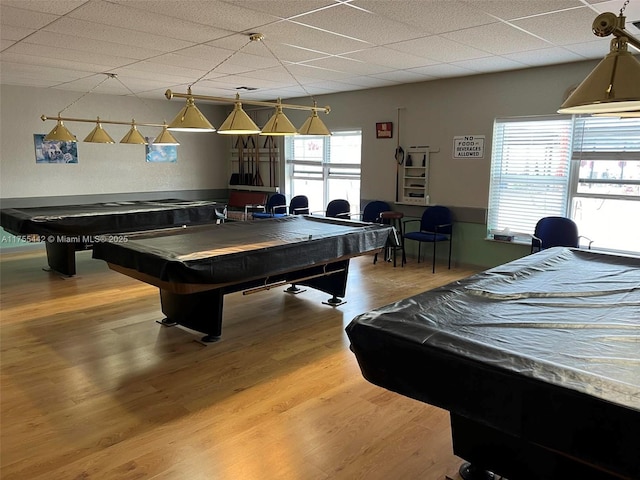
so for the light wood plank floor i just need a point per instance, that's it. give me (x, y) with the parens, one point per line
(93, 388)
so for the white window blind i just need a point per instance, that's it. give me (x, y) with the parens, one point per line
(608, 138)
(529, 173)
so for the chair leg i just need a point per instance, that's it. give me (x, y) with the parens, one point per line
(450, 238)
(433, 268)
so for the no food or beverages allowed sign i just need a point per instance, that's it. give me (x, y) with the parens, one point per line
(468, 146)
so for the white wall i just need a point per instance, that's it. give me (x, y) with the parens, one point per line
(102, 168)
(432, 113)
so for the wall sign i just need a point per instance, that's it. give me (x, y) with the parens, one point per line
(384, 130)
(468, 146)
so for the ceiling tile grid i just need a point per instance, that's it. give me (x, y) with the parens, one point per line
(309, 47)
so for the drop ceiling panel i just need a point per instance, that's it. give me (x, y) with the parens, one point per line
(561, 28)
(58, 42)
(498, 39)
(430, 17)
(18, 17)
(488, 64)
(57, 7)
(389, 58)
(282, 8)
(290, 33)
(509, 10)
(361, 25)
(145, 22)
(346, 65)
(214, 13)
(439, 49)
(545, 56)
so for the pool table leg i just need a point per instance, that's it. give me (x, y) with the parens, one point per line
(200, 311)
(61, 257)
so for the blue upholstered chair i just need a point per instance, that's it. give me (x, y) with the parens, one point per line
(556, 232)
(436, 225)
(299, 205)
(338, 208)
(372, 210)
(276, 207)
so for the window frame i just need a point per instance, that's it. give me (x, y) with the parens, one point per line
(327, 169)
(597, 139)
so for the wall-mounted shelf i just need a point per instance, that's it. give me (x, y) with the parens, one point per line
(414, 177)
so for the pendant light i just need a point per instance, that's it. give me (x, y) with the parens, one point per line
(99, 135)
(133, 136)
(60, 133)
(614, 85)
(238, 122)
(279, 124)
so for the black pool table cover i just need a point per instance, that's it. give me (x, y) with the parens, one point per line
(544, 350)
(236, 251)
(110, 217)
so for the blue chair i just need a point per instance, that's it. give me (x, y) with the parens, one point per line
(372, 210)
(338, 208)
(436, 225)
(556, 232)
(276, 207)
(299, 205)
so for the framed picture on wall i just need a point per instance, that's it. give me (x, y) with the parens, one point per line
(160, 153)
(384, 130)
(54, 151)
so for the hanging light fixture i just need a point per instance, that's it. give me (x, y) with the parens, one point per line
(614, 85)
(165, 137)
(133, 136)
(313, 125)
(60, 133)
(238, 122)
(190, 119)
(98, 134)
(279, 124)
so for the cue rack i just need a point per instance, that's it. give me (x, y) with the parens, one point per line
(255, 161)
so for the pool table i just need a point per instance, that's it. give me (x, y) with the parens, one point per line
(194, 268)
(537, 361)
(70, 228)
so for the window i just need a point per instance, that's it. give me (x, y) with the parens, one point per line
(584, 168)
(325, 168)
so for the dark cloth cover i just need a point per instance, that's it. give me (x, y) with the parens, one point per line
(564, 316)
(102, 218)
(236, 251)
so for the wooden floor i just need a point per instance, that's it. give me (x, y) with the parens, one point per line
(93, 388)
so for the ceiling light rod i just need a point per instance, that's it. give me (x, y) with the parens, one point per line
(608, 23)
(90, 120)
(169, 94)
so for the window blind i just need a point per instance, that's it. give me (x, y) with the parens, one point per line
(529, 173)
(610, 138)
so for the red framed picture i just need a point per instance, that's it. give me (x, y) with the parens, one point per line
(384, 130)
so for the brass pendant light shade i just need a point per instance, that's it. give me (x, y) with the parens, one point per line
(60, 133)
(613, 86)
(279, 125)
(133, 136)
(314, 126)
(165, 138)
(238, 122)
(190, 119)
(99, 135)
